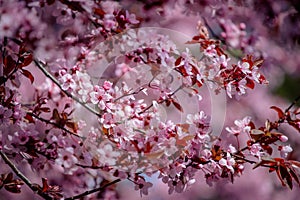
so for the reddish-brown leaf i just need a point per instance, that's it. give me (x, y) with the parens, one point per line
(268, 149)
(9, 64)
(26, 59)
(293, 174)
(285, 176)
(269, 162)
(168, 102)
(250, 83)
(72, 125)
(45, 185)
(13, 188)
(192, 42)
(181, 69)
(29, 118)
(99, 12)
(262, 79)
(294, 163)
(27, 74)
(55, 115)
(216, 153)
(279, 111)
(44, 109)
(178, 61)
(178, 106)
(8, 178)
(256, 134)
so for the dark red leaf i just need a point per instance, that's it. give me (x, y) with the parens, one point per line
(269, 162)
(73, 5)
(9, 64)
(280, 177)
(256, 134)
(262, 79)
(279, 111)
(55, 115)
(192, 42)
(250, 83)
(8, 178)
(258, 62)
(178, 61)
(72, 125)
(197, 37)
(29, 118)
(294, 174)
(268, 149)
(216, 153)
(168, 103)
(285, 176)
(13, 188)
(199, 84)
(181, 69)
(295, 163)
(27, 74)
(45, 185)
(178, 106)
(44, 109)
(27, 58)
(99, 12)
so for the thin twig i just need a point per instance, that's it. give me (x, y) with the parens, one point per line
(40, 65)
(23, 177)
(249, 161)
(293, 103)
(161, 101)
(93, 190)
(52, 123)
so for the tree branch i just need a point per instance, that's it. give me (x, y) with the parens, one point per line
(293, 103)
(54, 124)
(33, 187)
(93, 190)
(40, 65)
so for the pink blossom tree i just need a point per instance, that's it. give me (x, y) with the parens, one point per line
(97, 93)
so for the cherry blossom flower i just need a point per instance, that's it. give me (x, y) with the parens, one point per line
(68, 82)
(256, 150)
(285, 150)
(242, 126)
(108, 120)
(143, 186)
(5, 115)
(175, 185)
(108, 155)
(228, 162)
(67, 160)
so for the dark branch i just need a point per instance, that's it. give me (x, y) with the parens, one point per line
(39, 64)
(33, 187)
(293, 103)
(94, 190)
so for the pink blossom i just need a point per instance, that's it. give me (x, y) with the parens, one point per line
(245, 67)
(242, 126)
(68, 82)
(108, 120)
(285, 150)
(107, 155)
(5, 115)
(256, 150)
(228, 162)
(143, 186)
(67, 160)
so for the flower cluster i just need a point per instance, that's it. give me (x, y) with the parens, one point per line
(86, 101)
